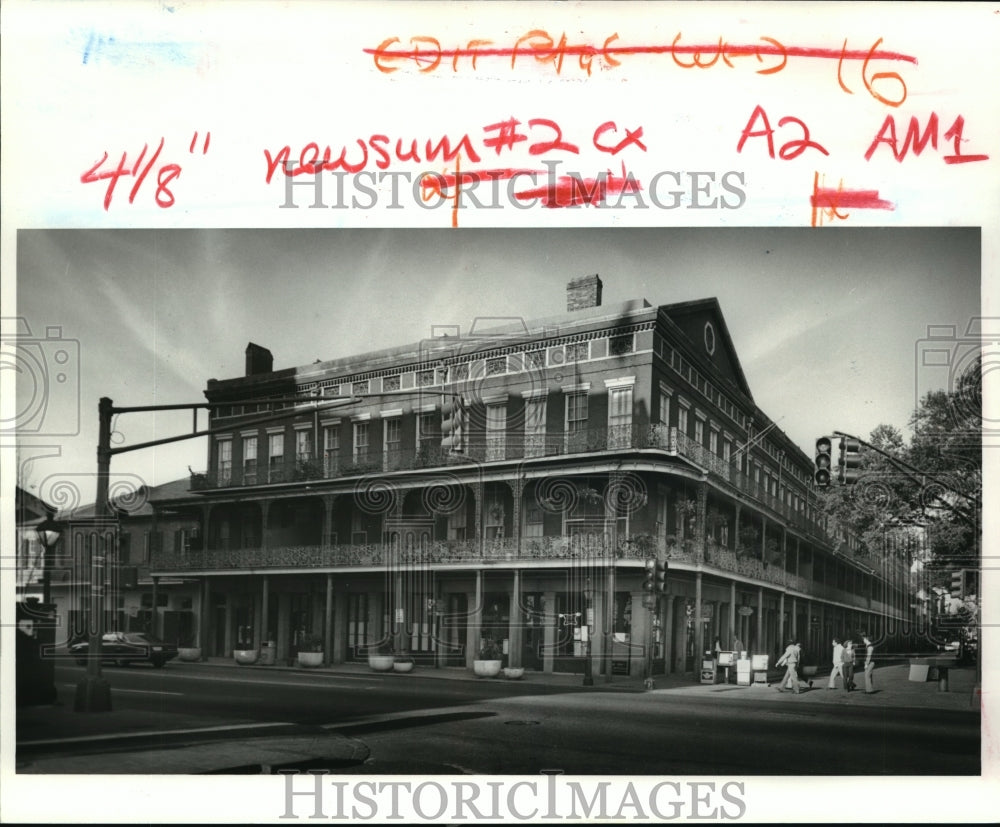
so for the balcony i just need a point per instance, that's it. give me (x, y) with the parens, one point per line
(512, 447)
(580, 548)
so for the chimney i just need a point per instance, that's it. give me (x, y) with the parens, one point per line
(259, 360)
(583, 292)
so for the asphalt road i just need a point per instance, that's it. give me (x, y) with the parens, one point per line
(496, 728)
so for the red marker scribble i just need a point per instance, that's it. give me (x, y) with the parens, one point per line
(771, 56)
(570, 191)
(829, 202)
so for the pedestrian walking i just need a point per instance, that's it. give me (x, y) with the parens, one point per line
(838, 663)
(848, 668)
(790, 660)
(869, 665)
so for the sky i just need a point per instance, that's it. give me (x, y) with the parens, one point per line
(828, 324)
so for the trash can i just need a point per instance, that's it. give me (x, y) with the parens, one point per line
(268, 654)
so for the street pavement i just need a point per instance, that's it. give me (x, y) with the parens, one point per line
(56, 739)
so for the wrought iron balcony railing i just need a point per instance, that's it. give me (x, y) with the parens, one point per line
(497, 448)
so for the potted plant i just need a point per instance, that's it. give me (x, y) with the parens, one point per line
(310, 652)
(188, 651)
(402, 662)
(489, 660)
(513, 673)
(380, 657)
(245, 653)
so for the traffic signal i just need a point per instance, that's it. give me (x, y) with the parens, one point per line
(850, 460)
(452, 425)
(649, 582)
(821, 474)
(660, 580)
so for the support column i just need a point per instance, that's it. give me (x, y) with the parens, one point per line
(701, 503)
(328, 621)
(340, 630)
(475, 625)
(699, 627)
(795, 618)
(204, 619)
(515, 632)
(228, 640)
(732, 613)
(549, 632)
(517, 489)
(761, 644)
(265, 620)
(328, 501)
(781, 620)
(265, 511)
(763, 540)
(734, 538)
(668, 634)
(478, 491)
(154, 621)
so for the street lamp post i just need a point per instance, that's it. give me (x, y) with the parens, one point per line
(588, 673)
(47, 533)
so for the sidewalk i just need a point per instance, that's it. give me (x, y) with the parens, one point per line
(56, 739)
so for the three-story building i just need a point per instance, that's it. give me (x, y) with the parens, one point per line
(509, 484)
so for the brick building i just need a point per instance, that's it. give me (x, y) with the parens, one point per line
(589, 442)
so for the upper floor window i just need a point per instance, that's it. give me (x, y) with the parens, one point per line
(392, 434)
(576, 412)
(224, 461)
(496, 433)
(249, 460)
(303, 445)
(534, 426)
(390, 383)
(275, 456)
(713, 441)
(361, 437)
(699, 430)
(427, 427)
(664, 411)
(425, 378)
(682, 418)
(619, 416)
(331, 448)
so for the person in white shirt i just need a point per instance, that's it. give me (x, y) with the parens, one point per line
(790, 660)
(838, 663)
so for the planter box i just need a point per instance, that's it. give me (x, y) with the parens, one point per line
(486, 668)
(381, 663)
(809, 671)
(402, 666)
(245, 657)
(310, 660)
(189, 653)
(513, 673)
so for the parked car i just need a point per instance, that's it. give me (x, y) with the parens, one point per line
(128, 647)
